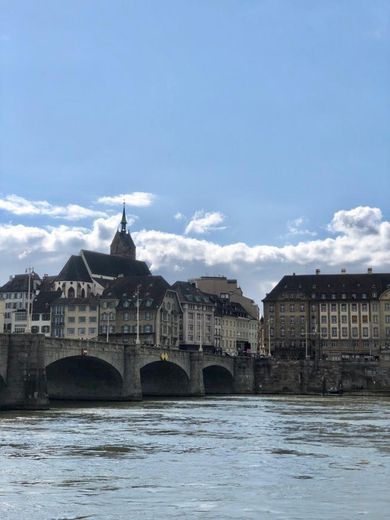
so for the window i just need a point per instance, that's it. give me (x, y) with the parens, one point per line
(344, 332)
(365, 332)
(324, 331)
(355, 332)
(334, 332)
(93, 307)
(343, 307)
(82, 307)
(292, 320)
(354, 307)
(35, 330)
(387, 318)
(282, 307)
(92, 319)
(343, 296)
(323, 307)
(292, 307)
(81, 331)
(387, 306)
(365, 318)
(334, 319)
(126, 316)
(364, 307)
(70, 331)
(375, 318)
(333, 307)
(272, 308)
(126, 329)
(354, 319)
(375, 332)
(91, 330)
(324, 319)
(82, 319)
(147, 328)
(71, 319)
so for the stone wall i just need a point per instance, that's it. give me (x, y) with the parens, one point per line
(309, 377)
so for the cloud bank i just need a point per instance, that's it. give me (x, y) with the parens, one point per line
(360, 237)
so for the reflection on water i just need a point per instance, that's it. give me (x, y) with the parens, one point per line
(216, 458)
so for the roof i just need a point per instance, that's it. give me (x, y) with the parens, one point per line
(152, 290)
(42, 302)
(74, 270)
(188, 293)
(101, 264)
(332, 286)
(47, 283)
(225, 307)
(19, 283)
(76, 301)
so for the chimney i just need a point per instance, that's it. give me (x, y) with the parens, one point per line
(318, 271)
(369, 270)
(343, 270)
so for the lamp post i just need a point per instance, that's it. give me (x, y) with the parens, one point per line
(27, 330)
(137, 341)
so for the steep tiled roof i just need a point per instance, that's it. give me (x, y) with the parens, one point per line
(19, 283)
(42, 302)
(225, 307)
(101, 264)
(332, 286)
(152, 290)
(74, 270)
(188, 293)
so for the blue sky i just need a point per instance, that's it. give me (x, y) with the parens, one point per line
(260, 123)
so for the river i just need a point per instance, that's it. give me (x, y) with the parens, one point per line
(239, 457)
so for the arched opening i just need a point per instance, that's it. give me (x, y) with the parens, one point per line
(81, 378)
(82, 293)
(71, 292)
(163, 378)
(217, 380)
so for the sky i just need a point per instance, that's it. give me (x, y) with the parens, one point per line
(248, 138)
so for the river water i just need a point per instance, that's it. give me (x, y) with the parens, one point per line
(213, 458)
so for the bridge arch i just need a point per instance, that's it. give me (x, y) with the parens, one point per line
(217, 379)
(164, 378)
(83, 378)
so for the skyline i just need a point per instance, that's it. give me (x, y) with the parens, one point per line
(249, 139)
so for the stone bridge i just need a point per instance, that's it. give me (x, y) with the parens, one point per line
(34, 369)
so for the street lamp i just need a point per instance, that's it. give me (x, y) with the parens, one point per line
(27, 330)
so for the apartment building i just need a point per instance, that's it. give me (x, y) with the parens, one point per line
(141, 309)
(197, 329)
(328, 315)
(18, 294)
(75, 318)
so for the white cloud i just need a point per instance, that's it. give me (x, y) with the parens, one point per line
(137, 198)
(179, 216)
(295, 227)
(21, 206)
(360, 220)
(257, 267)
(202, 222)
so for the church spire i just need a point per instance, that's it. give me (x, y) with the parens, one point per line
(122, 243)
(123, 221)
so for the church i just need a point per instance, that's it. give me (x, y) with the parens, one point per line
(88, 274)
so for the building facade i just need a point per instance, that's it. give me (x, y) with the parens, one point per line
(141, 309)
(331, 316)
(197, 329)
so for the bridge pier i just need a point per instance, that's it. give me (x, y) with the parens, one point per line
(196, 374)
(132, 390)
(25, 385)
(244, 376)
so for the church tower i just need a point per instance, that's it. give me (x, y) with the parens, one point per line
(122, 244)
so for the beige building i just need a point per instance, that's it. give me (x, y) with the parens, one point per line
(75, 318)
(197, 328)
(328, 315)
